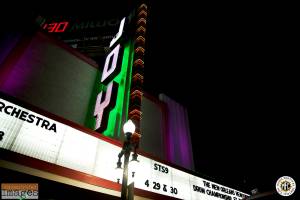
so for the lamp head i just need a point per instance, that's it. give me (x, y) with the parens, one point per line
(129, 127)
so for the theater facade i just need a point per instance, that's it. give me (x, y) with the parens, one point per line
(64, 99)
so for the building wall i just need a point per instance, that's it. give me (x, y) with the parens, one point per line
(47, 75)
(50, 75)
(7, 42)
(152, 127)
(178, 139)
(165, 130)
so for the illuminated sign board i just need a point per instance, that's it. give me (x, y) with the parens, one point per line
(57, 27)
(111, 105)
(111, 69)
(71, 26)
(97, 157)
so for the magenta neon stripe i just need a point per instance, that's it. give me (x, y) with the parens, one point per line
(178, 142)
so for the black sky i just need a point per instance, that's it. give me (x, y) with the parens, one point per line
(234, 68)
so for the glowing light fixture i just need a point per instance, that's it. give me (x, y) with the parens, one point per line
(129, 127)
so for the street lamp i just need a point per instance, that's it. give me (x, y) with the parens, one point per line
(128, 146)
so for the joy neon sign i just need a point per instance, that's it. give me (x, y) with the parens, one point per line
(112, 67)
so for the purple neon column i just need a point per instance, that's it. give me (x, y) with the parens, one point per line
(178, 140)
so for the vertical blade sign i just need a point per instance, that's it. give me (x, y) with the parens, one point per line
(106, 100)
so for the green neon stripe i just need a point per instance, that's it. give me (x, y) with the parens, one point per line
(129, 78)
(119, 114)
(116, 115)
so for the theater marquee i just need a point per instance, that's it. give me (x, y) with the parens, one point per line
(32, 134)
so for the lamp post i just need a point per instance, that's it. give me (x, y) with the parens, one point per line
(128, 146)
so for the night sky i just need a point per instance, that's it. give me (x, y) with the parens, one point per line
(233, 66)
